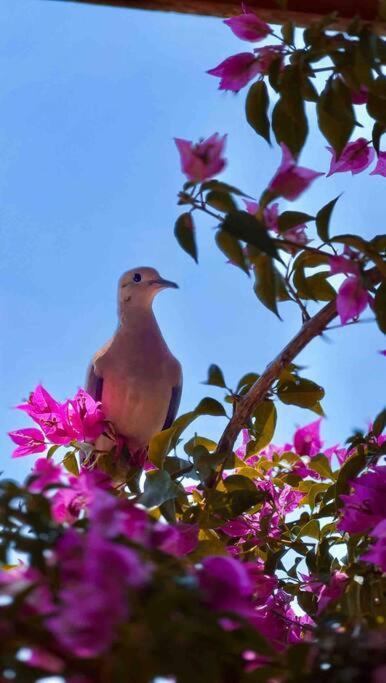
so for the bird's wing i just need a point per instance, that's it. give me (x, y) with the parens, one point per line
(173, 406)
(94, 384)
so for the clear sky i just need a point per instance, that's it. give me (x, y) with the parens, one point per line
(91, 98)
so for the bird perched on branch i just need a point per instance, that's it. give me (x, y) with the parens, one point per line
(134, 375)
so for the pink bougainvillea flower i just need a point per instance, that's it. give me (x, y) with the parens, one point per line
(40, 403)
(307, 439)
(383, 353)
(236, 71)
(291, 180)
(45, 473)
(365, 507)
(341, 264)
(226, 584)
(202, 160)
(268, 54)
(93, 601)
(67, 503)
(380, 167)
(178, 539)
(356, 157)
(377, 552)
(45, 660)
(248, 26)
(360, 96)
(271, 217)
(326, 593)
(85, 416)
(241, 451)
(29, 440)
(351, 299)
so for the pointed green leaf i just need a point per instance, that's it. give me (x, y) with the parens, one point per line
(247, 228)
(185, 234)
(380, 306)
(222, 201)
(323, 218)
(256, 107)
(264, 424)
(158, 488)
(300, 392)
(291, 219)
(265, 283)
(231, 247)
(70, 463)
(215, 377)
(336, 115)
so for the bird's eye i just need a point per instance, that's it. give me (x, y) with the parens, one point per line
(137, 277)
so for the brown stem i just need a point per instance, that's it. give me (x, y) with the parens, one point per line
(258, 391)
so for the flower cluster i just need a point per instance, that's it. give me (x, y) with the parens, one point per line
(78, 419)
(364, 512)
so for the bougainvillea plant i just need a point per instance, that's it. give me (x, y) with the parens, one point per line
(238, 559)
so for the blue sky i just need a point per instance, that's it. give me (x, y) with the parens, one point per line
(91, 98)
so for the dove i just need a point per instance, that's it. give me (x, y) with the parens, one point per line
(134, 375)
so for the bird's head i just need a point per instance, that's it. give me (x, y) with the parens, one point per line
(138, 287)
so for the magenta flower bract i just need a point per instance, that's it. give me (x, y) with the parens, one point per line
(380, 167)
(351, 299)
(290, 180)
(78, 419)
(248, 26)
(236, 71)
(202, 160)
(360, 96)
(341, 264)
(268, 54)
(356, 157)
(45, 473)
(365, 507)
(226, 584)
(307, 439)
(93, 601)
(29, 440)
(377, 552)
(85, 416)
(326, 593)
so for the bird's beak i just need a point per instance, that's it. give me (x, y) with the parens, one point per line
(160, 282)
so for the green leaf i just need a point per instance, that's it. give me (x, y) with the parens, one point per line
(196, 440)
(222, 201)
(379, 424)
(52, 450)
(323, 219)
(266, 282)
(290, 219)
(289, 121)
(163, 442)
(246, 381)
(70, 463)
(256, 107)
(236, 482)
(300, 392)
(336, 115)
(247, 228)
(376, 103)
(220, 186)
(215, 377)
(315, 286)
(378, 130)
(185, 234)
(158, 488)
(311, 528)
(380, 306)
(264, 424)
(288, 32)
(231, 247)
(349, 470)
(321, 465)
(209, 406)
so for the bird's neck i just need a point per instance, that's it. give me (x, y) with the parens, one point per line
(137, 318)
